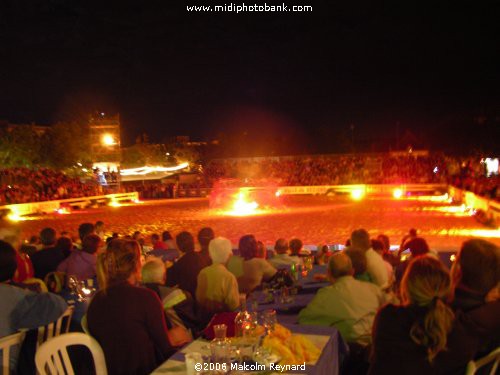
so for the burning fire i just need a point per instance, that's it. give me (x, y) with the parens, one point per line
(242, 206)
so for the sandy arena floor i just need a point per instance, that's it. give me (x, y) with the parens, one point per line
(314, 219)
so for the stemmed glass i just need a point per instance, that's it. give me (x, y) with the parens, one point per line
(269, 320)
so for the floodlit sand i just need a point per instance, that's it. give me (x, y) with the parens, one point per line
(314, 219)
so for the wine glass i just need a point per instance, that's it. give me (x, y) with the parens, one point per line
(269, 320)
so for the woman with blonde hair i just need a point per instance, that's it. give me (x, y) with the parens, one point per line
(422, 335)
(128, 320)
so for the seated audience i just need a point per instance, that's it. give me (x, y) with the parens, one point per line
(205, 235)
(24, 266)
(82, 263)
(157, 243)
(412, 233)
(48, 258)
(184, 272)
(162, 250)
(128, 321)
(378, 246)
(418, 247)
(476, 281)
(281, 259)
(386, 250)
(22, 308)
(476, 274)
(348, 304)
(322, 255)
(168, 240)
(99, 229)
(360, 239)
(255, 269)
(296, 248)
(65, 244)
(423, 335)
(358, 260)
(178, 304)
(84, 230)
(217, 288)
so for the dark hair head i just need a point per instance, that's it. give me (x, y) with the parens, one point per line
(413, 232)
(418, 246)
(85, 229)
(91, 243)
(358, 260)
(48, 236)
(385, 240)
(360, 239)
(65, 244)
(185, 242)
(99, 224)
(248, 246)
(281, 246)
(295, 246)
(205, 235)
(8, 263)
(155, 237)
(479, 263)
(377, 245)
(165, 236)
(34, 239)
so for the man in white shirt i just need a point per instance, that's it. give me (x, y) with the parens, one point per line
(281, 259)
(375, 266)
(348, 304)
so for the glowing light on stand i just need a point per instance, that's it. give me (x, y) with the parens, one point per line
(108, 140)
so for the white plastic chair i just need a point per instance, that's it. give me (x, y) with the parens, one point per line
(53, 329)
(6, 344)
(493, 357)
(52, 356)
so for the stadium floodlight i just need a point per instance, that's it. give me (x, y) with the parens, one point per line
(108, 140)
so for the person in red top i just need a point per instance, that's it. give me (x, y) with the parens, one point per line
(127, 320)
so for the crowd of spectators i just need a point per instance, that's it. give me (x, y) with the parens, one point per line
(23, 185)
(333, 170)
(438, 318)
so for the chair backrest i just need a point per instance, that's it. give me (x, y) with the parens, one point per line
(6, 344)
(52, 356)
(61, 325)
(492, 358)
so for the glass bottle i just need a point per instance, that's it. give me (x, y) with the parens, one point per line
(244, 322)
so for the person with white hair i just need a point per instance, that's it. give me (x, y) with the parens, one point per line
(217, 288)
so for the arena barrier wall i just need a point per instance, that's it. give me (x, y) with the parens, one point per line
(24, 209)
(489, 207)
(382, 189)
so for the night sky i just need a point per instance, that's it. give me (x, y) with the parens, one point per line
(297, 78)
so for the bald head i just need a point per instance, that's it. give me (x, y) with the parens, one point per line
(340, 265)
(360, 239)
